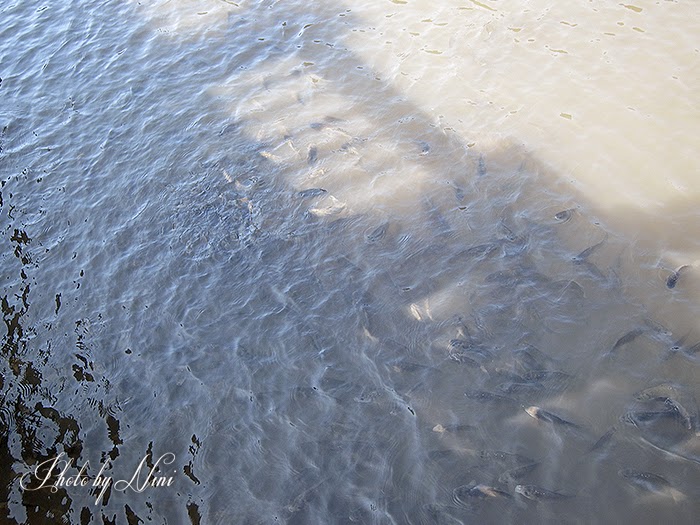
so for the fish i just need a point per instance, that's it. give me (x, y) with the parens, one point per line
(311, 192)
(627, 338)
(502, 457)
(581, 257)
(669, 394)
(545, 375)
(651, 482)
(532, 358)
(635, 417)
(673, 278)
(564, 215)
(465, 346)
(313, 155)
(472, 490)
(543, 415)
(483, 395)
(461, 358)
(604, 439)
(438, 514)
(662, 391)
(478, 251)
(481, 168)
(536, 493)
(510, 476)
(377, 233)
(516, 387)
(681, 413)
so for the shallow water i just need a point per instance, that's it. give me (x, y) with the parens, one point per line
(327, 257)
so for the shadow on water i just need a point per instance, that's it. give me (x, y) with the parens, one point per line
(261, 257)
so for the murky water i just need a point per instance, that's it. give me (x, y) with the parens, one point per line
(342, 263)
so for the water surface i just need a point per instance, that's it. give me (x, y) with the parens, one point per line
(328, 256)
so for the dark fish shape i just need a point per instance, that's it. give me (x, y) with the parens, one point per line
(489, 397)
(570, 289)
(505, 277)
(646, 479)
(546, 375)
(508, 234)
(662, 391)
(585, 254)
(507, 458)
(532, 358)
(311, 192)
(481, 168)
(651, 482)
(473, 349)
(479, 251)
(313, 155)
(564, 215)
(636, 417)
(673, 278)
(472, 490)
(511, 476)
(679, 346)
(517, 387)
(681, 413)
(377, 233)
(604, 439)
(543, 415)
(669, 394)
(536, 493)
(627, 338)
(465, 360)
(438, 514)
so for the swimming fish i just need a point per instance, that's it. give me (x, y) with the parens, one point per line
(377, 233)
(543, 415)
(651, 482)
(313, 155)
(635, 417)
(483, 395)
(581, 257)
(536, 493)
(472, 490)
(627, 338)
(505, 458)
(516, 387)
(311, 192)
(604, 439)
(564, 215)
(673, 278)
(544, 375)
(510, 476)
(669, 394)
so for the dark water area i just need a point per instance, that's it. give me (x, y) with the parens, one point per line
(235, 258)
